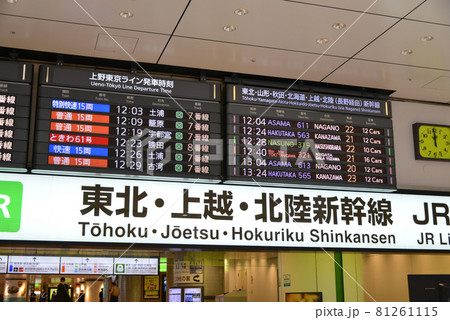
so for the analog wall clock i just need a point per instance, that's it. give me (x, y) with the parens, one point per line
(431, 141)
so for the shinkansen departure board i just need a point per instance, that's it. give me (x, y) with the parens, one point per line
(130, 125)
(15, 105)
(297, 138)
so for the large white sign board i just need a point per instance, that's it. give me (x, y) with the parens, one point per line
(33, 264)
(136, 266)
(86, 265)
(69, 209)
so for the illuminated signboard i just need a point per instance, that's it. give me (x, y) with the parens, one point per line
(136, 266)
(86, 265)
(305, 139)
(3, 263)
(193, 294)
(126, 125)
(194, 214)
(162, 264)
(174, 294)
(151, 287)
(15, 102)
(33, 265)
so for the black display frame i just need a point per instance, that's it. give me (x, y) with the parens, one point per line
(16, 84)
(416, 140)
(76, 81)
(234, 99)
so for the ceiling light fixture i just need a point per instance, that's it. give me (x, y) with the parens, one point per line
(322, 40)
(406, 52)
(241, 11)
(13, 1)
(126, 14)
(427, 38)
(339, 26)
(229, 28)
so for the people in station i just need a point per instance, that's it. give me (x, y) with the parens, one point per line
(43, 297)
(81, 297)
(100, 295)
(32, 296)
(62, 294)
(114, 293)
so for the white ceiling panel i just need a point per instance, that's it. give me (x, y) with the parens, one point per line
(440, 83)
(407, 35)
(359, 33)
(396, 8)
(276, 38)
(159, 16)
(247, 59)
(115, 43)
(283, 25)
(436, 11)
(32, 34)
(408, 82)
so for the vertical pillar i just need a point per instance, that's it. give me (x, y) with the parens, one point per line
(339, 276)
(107, 284)
(130, 288)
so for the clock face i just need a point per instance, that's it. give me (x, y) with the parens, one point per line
(434, 142)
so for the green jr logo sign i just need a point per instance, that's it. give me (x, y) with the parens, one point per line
(10, 205)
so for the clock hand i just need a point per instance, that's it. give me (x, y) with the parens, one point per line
(434, 137)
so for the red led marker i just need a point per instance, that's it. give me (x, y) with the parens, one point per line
(73, 116)
(70, 138)
(64, 126)
(80, 162)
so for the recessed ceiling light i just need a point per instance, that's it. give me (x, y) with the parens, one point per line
(229, 28)
(322, 40)
(13, 1)
(427, 38)
(126, 14)
(241, 11)
(339, 25)
(406, 52)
